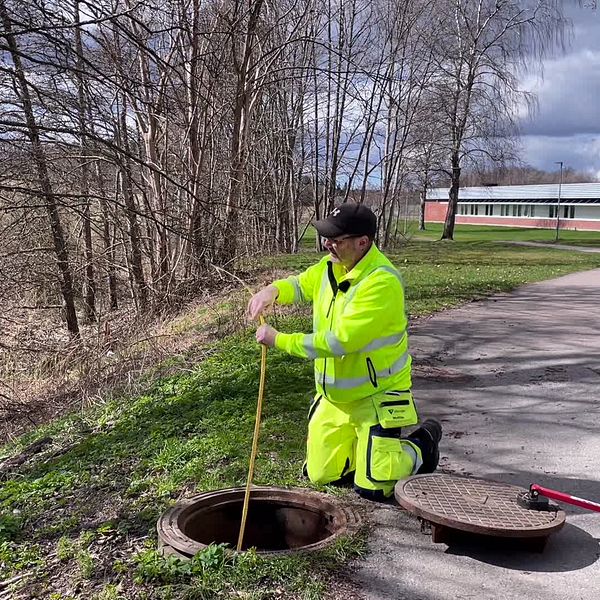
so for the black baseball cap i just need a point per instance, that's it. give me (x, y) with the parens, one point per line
(348, 219)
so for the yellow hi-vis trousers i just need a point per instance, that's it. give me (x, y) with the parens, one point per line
(362, 437)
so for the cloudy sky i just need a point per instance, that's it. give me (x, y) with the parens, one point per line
(566, 125)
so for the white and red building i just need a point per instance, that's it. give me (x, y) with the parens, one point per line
(521, 206)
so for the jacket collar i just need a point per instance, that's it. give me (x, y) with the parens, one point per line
(364, 266)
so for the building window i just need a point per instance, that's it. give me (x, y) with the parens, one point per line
(526, 210)
(532, 211)
(552, 212)
(489, 210)
(505, 210)
(569, 212)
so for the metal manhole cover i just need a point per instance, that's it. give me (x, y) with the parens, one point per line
(475, 505)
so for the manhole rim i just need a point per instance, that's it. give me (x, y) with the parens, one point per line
(172, 540)
(448, 521)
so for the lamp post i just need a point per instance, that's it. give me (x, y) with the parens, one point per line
(558, 162)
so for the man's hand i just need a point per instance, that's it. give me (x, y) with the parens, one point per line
(261, 301)
(265, 335)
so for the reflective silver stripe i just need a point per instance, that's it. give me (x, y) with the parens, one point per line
(409, 449)
(298, 295)
(336, 346)
(348, 297)
(391, 270)
(382, 342)
(337, 349)
(352, 382)
(324, 285)
(308, 343)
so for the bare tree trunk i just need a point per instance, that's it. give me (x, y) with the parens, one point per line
(141, 290)
(448, 233)
(316, 180)
(58, 236)
(241, 122)
(196, 150)
(149, 129)
(342, 76)
(89, 296)
(422, 197)
(108, 239)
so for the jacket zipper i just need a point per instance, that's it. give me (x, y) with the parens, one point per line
(330, 305)
(329, 310)
(334, 289)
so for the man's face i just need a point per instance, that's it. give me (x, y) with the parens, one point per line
(346, 249)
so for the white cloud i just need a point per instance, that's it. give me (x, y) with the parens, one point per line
(567, 124)
(580, 152)
(568, 96)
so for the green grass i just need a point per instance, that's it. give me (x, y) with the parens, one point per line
(92, 499)
(443, 274)
(128, 460)
(465, 233)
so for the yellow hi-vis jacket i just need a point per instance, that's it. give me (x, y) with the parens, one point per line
(359, 340)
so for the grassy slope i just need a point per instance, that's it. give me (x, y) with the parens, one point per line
(85, 508)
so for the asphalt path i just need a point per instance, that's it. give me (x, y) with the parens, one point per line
(515, 381)
(554, 246)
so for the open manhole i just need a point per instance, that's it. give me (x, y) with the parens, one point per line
(280, 521)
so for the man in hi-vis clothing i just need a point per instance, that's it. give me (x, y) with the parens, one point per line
(362, 365)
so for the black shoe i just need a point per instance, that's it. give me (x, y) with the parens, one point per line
(346, 480)
(304, 470)
(427, 438)
(373, 495)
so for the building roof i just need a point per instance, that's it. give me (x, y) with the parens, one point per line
(572, 193)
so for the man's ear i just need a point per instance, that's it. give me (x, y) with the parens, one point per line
(364, 241)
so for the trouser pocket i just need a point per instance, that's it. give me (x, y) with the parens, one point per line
(395, 409)
(386, 458)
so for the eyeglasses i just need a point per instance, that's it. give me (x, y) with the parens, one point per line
(338, 241)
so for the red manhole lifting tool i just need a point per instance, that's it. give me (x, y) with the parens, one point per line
(537, 498)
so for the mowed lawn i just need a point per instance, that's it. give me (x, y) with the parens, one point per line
(439, 274)
(77, 520)
(465, 233)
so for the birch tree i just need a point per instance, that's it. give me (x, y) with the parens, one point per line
(483, 48)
